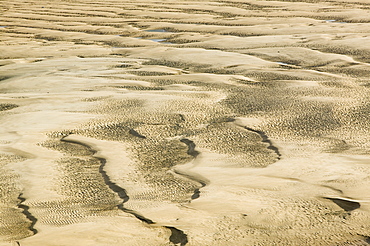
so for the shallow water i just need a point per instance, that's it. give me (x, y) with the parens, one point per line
(283, 63)
(156, 30)
(335, 21)
(158, 39)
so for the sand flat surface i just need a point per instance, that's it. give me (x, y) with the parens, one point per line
(234, 122)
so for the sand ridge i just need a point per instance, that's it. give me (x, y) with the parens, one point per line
(237, 122)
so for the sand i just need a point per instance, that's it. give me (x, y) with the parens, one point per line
(236, 122)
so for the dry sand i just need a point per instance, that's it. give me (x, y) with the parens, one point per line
(234, 122)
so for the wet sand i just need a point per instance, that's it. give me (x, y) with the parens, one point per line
(184, 123)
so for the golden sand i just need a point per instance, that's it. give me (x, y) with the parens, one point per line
(234, 122)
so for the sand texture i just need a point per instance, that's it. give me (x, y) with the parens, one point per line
(197, 123)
